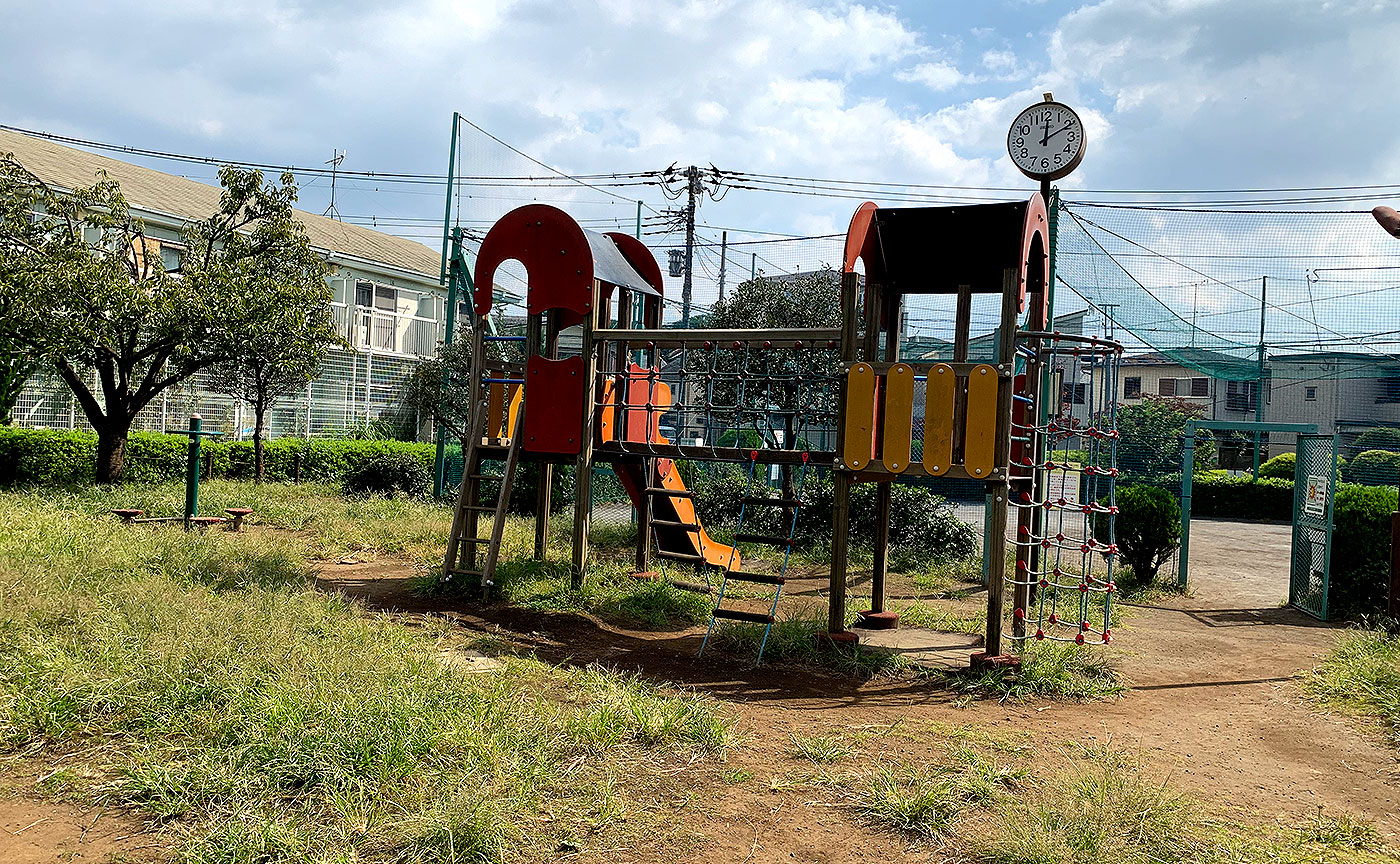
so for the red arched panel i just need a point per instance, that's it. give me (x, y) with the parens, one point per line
(640, 257)
(1035, 260)
(551, 245)
(861, 243)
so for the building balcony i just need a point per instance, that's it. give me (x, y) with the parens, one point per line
(382, 332)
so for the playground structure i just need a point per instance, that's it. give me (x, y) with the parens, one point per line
(641, 396)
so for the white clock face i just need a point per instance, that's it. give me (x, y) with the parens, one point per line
(1046, 141)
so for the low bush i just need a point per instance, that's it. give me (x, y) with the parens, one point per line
(1378, 438)
(1374, 468)
(388, 473)
(1281, 467)
(923, 528)
(1361, 550)
(1147, 530)
(43, 456)
(1242, 498)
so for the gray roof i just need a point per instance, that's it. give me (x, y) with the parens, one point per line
(188, 200)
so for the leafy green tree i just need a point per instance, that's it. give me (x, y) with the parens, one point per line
(1150, 436)
(808, 300)
(285, 326)
(20, 235)
(99, 305)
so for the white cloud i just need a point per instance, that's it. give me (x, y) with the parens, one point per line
(935, 76)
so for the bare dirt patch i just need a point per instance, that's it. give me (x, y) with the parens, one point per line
(38, 831)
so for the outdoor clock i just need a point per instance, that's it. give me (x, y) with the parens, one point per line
(1046, 140)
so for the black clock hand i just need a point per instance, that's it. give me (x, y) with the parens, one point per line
(1046, 139)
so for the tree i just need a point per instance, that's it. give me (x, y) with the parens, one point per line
(806, 300)
(285, 329)
(98, 303)
(1150, 435)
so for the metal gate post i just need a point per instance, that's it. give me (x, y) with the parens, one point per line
(1188, 464)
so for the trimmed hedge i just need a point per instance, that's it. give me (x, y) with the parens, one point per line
(1360, 550)
(1242, 498)
(34, 456)
(1374, 468)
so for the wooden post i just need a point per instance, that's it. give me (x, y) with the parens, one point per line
(545, 474)
(841, 478)
(881, 568)
(649, 480)
(840, 531)
(583, 470)
(997, 486)
(1393, 600)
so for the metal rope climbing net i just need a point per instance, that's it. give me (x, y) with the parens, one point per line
(1067, 547)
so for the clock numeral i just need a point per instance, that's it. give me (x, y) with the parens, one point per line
(1044, 163)
(1025, 152)
(1069, 148)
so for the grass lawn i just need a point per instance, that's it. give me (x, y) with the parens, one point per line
(1362, 676)
(199, 679)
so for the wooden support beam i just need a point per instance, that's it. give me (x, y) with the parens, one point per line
(998, 491)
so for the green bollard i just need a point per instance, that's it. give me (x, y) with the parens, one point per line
(192, 472)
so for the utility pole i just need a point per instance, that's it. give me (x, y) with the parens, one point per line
(723, 254)
(692, 177)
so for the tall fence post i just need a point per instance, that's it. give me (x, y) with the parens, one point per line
(1188, 464)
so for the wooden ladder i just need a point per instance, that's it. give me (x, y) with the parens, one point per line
(464, 541)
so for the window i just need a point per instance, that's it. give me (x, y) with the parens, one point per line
(1310, 394)
(1132, 387)
(1241, 395)
(1388, 390)
(1200, 387)
(364, 293)
(1166, 387)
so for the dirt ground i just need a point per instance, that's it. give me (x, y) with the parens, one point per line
(1214, 703)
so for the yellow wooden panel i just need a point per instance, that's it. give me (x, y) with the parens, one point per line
(980, 440)
(938, 418)
(897, 437)
(859, 444)
(495, 409)
(517, 398)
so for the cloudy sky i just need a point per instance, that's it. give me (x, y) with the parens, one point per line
(1176, 94)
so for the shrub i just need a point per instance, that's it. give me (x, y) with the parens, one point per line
(923, 528)
(388, 473)
(1360, 550)
(1148, 528)
(1242, 498)
(1374, 468)
(1281, 467)
(30, 456)
(1378, 438)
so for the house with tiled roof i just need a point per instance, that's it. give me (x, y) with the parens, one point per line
(386, 300)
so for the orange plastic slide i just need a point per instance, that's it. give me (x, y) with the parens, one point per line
(648, 398)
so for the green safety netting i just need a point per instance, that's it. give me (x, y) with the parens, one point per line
(1189, 284)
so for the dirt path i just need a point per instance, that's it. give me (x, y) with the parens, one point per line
(1215, 699)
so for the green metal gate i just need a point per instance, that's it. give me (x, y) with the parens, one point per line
(1314, 486)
